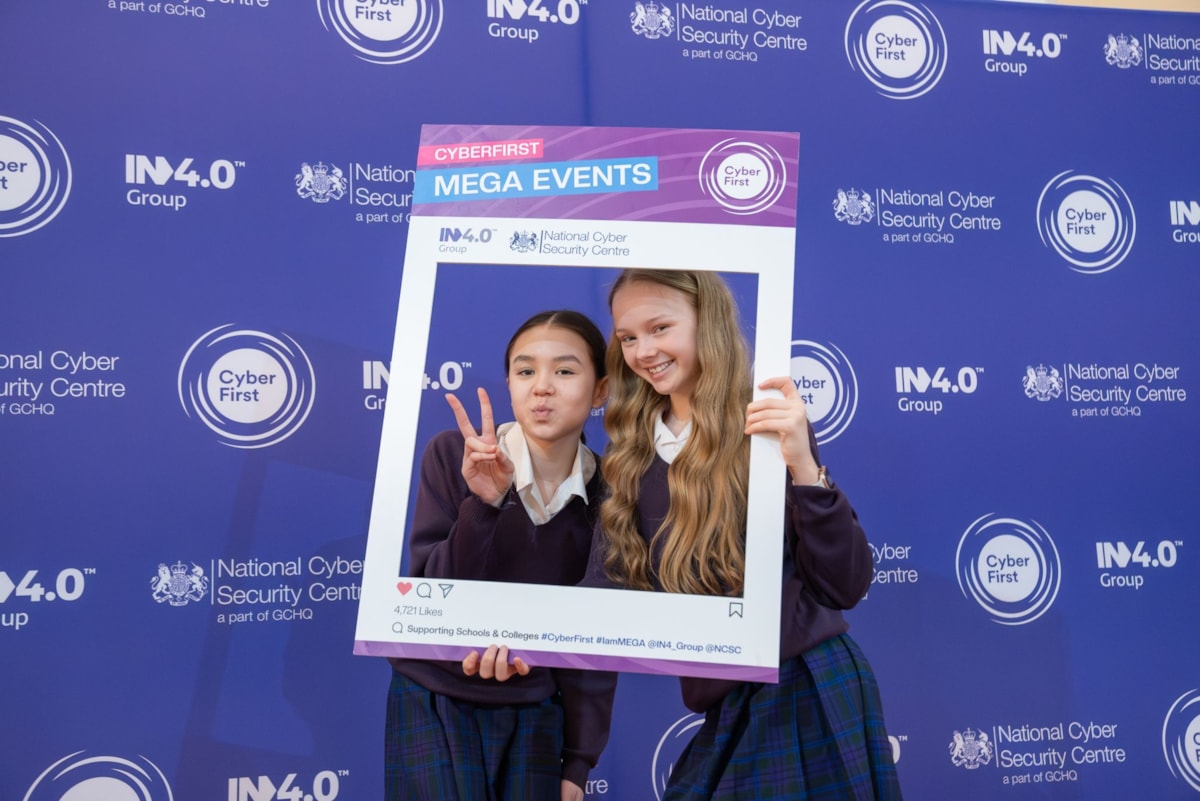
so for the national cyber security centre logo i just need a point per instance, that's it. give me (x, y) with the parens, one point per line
(899, 47)
(853, 206)
(251, 388)
(1009, 567)
(1088, 221)
(1123, 51)
(1042, 382)
(652, 20)
(1181, 738)
(970, 749)
(384, 31)
(35, 176)
(178, 585)
(100, 776)
(320, 182)
(742, 176)
(826, 381)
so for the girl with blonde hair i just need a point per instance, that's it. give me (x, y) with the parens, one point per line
(679, 417)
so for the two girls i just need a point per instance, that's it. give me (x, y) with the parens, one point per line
(515, 503)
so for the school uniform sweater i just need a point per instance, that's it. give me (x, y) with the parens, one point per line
(826, 568)
(457, 535)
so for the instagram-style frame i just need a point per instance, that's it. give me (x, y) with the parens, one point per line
(700, 200)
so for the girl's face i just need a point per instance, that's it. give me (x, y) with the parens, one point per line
(552, 383)
(656, 326)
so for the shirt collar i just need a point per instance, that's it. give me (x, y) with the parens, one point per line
(668, 444)
(514, 445)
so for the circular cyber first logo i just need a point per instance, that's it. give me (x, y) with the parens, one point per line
(84, 776)
(1089, 221)
(743, 177)
(1181, 738)
(670, 748)
(384, 31)
(35, 176)
(826, 381)
(899, 47)
(252, 389)
(1009, 567)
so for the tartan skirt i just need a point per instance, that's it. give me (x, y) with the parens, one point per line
(816, 735)
(438, 748)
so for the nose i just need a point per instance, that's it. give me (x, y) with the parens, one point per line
(543, 385)
(645, 349)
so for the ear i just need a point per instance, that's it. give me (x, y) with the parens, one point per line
(600, 394)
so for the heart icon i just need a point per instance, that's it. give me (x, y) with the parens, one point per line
(404, 587)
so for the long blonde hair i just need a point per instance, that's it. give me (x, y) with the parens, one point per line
(703, 538)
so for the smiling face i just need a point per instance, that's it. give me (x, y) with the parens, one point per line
(552, 384)
(656, 326)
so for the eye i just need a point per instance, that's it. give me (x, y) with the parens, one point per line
(565, 371)
(658, 329)
(525, 371)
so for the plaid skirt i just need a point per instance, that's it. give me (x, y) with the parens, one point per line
(437, 748)
(818, 734)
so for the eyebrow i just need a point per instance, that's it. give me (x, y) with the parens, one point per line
(566, 358)
(661, 317)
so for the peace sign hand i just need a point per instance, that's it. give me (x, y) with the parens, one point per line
(786, 417)
(487, 470)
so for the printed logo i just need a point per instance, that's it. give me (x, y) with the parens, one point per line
(320, 182)
(35, 176)
(1181, 738)
(1012, 53)
(157, 171)
(251, 388)
(81, 776)
(853, 206)
(743, 177)
(899, 47)
(530, 18)
(826, 381)
(970, 749)
(1086, 220)
(651, 20)
(1009, 567)
(1123, 51)
(670, 748)
(1185, 215)
(523, 241)
(177, 585)
(1042, 382)
(948, 382)
(384, 31)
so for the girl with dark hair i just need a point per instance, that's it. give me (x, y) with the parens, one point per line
(678, 418)
(515, 503)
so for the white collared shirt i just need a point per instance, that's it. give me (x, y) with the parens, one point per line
(513, 444)
(668, 444)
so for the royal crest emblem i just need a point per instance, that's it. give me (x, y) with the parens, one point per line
(320, 182)
(177, 586)
(970, 749)
(1122, 51)
(523, 241)
(853, 207)
(652, 20)
(1042, 382)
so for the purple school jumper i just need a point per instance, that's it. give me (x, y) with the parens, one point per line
(457, 535)
(819, 733)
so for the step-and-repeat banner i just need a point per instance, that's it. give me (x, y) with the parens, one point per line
(203, 214)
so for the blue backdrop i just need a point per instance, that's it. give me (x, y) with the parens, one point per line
(998, 246)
